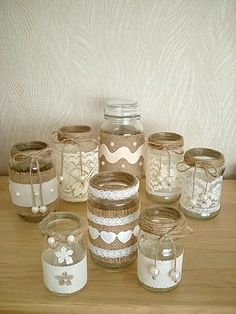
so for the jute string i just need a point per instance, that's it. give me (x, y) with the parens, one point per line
(34, 158)
(173, 230)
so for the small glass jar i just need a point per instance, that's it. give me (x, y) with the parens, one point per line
(113, 211)
(76, 161)
(32, 180)
(161, 247)
(122, 138)
(64, 259)
(164, 151)
(202, 171)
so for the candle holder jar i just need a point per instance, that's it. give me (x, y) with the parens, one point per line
(113, 211)
(202, 171)
(76, 161)
(122, 138)
(64, 259)
(164, 152)
(161, 247)
(32, 180)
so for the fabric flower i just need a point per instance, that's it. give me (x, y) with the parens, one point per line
(64, 279)
(64, 255)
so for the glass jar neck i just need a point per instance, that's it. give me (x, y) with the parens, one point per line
(122, 120)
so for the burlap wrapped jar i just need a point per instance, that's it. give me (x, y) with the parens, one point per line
(113, 211)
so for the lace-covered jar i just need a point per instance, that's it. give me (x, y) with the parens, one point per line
(76, 161)
(164, 151)
(113, 211)
(121, 138)
(64, 259)
(202, 171)
(32, 180)
(161, 247)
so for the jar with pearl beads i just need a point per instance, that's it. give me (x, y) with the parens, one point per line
(164, 151)
(64, 259)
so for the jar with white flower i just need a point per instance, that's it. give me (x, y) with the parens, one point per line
(64, 259)
(164, 152)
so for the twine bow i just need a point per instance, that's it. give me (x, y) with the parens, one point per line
(74, 141)
(34, 158)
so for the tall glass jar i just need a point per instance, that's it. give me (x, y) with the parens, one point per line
(122, 138)
(76, 161)
(64, 258)
(161, 247)
(113, 211)
(202, 171)
(32, 180)
(163, 152)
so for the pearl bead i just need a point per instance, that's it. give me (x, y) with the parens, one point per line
(134, 144)
(154, 271)
(112, 144)
(43, 209)
(60, 179)
(17, 193)
(82, 178)
(71, 239)
(35, 209)
(103, 163)
(36, 194)
(175, 275)
(52, 190)
(140, 164)
(51, 241)
(122, 166)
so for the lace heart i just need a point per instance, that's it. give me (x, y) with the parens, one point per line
(93, 232)
(108, 237)
(124, 236)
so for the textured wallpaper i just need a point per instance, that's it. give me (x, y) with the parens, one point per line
(61, 59)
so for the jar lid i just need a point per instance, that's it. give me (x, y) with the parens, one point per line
(122, 108)
(115, 185)
(161, 140)
(206, 156)
(164, 222)
(24, 151)
(74, 131)
(62, 224)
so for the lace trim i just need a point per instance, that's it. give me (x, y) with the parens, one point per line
(114, 195)
(119, 221)
(113, 253)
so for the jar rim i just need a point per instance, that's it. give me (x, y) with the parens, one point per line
(74, 131)
(165, 139)
(46, 225)
(205, 155)
(25, 150)
(122, 108)
(161, 220)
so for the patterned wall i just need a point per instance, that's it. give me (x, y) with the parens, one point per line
(61, 59)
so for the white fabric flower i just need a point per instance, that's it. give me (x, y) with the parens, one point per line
(64, 255)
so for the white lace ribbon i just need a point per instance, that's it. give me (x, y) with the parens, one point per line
(117, 221)
(114, 195)
(113, 253)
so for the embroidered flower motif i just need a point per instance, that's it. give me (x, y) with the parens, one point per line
(64, 255)
(64, 279)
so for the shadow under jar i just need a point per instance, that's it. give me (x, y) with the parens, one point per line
(202, 172)
(113, 211)
(161, 247)
(164, 152)
(32, 180)
(64, 258)
(76, 161)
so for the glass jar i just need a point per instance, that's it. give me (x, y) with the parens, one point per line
(32, 180)
(202, 171)
(122, 138)
(76, 161)
(113, 211)
(164, 151)
(64, 259)
(161, 247)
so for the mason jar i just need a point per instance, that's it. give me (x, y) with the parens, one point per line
(122, 138)
(64, 259)
(32, 180)
(164, 151)
(202, 171)
(161, 247)
(113, 211)
(76, 161)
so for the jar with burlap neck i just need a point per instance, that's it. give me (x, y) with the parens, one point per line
(161, 247)
(32, 180)
(202, 170)
(164, 152)
(122, 142)
(64, 258)
(76, 161)
(113, 211)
